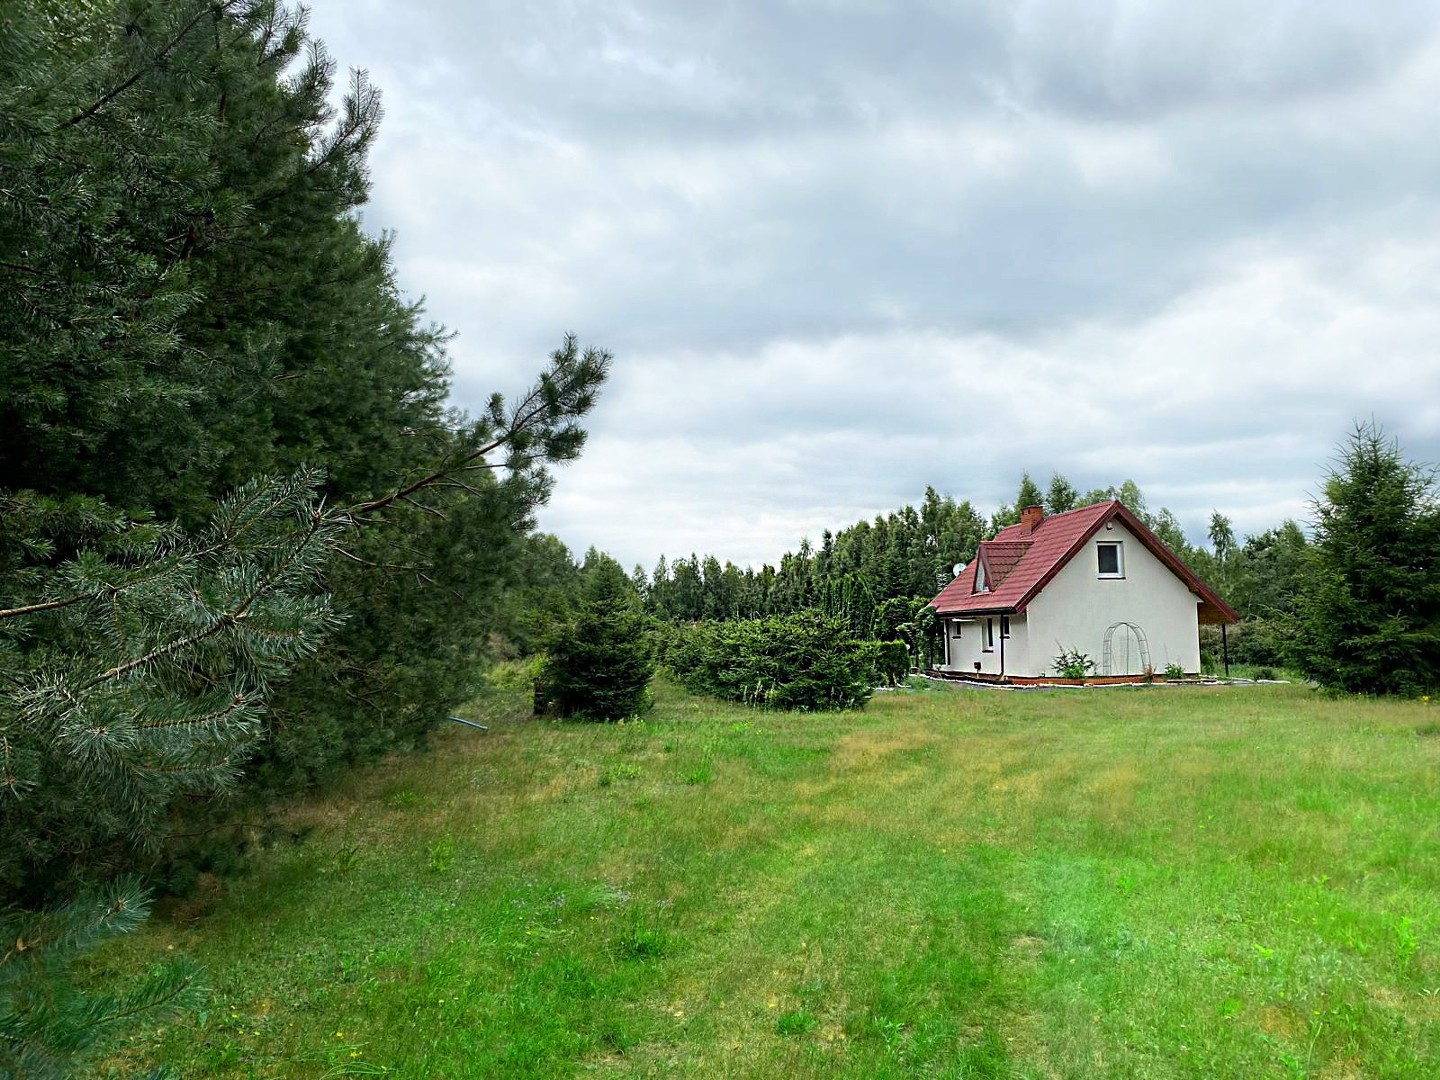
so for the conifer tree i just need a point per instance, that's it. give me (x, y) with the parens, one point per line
(600, 661)
(187, 302)
(1061, 495)
(1029, 493)
(138, 669)
(1369, 612)
(132, 672)
(47, 1019)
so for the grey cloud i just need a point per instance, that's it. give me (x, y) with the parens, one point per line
(845, 250)
(1143, 60)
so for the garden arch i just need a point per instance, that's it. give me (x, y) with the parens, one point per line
(1132, 644)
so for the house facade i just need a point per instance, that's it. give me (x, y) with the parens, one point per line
(1094, 580)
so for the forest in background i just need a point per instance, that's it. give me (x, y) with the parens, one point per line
(879, 574)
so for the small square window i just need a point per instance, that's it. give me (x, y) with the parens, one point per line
(1110, 560)
(989, 636)
(1004, 625)
(955, 629)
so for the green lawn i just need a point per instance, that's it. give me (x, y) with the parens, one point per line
(1198, 882)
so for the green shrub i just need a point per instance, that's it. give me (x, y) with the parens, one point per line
(801, 661)
(514, 674)
(1072, 663)
(893, 661)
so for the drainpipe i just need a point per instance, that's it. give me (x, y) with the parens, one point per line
(1225, 646)
(1002, 655)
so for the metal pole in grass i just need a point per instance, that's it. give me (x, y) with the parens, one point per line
(469, 723)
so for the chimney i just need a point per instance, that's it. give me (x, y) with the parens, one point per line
(1030, 518)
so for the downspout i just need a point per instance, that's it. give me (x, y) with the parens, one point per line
(1002, 653)
(1225, 646)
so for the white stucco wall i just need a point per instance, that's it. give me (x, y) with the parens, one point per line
(969, 647)
(1077, 606)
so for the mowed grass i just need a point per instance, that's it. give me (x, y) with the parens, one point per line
(1163, 882)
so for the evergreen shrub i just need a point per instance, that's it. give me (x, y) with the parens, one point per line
(801, 661)
(893, 661)
(1071, 663)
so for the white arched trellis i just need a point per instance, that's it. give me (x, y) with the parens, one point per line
(1136, 646)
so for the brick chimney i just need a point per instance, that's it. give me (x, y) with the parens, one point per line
(1030, 518)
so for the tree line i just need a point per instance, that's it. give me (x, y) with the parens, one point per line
(912, 553)
(1356, 607)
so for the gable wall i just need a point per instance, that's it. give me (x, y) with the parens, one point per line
(1077, 606)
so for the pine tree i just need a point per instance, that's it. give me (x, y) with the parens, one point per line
(139, 667)
(187, 302)
(47, 1019)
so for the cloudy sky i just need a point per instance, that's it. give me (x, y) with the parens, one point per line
(843, 249)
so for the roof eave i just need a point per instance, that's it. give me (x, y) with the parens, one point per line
(1008, 609)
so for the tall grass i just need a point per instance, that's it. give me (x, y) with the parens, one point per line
(1155, 882)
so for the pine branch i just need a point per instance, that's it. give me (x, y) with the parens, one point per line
(408, 501)
(429, 481)
(112, 94)
(560, 394)
(149, 1006)
(49, 605)
(226, 619)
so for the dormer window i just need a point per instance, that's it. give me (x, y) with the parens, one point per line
(1110, 559)
(982, 579)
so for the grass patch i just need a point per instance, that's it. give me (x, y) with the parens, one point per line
(1219, 882)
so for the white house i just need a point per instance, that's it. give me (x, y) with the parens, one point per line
(1096, 580)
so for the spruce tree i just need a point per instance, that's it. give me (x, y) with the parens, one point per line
(1369, 606)
(1029, 493)
(600, 660)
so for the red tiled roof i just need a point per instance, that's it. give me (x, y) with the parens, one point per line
(1001, 556)
(1019, 566)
